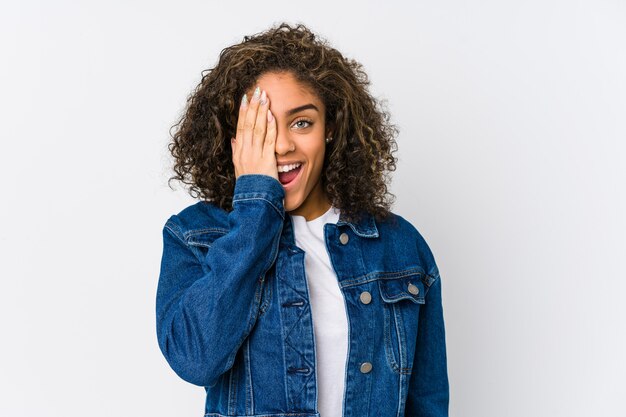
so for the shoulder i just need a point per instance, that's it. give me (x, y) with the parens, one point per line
(397, 224)
(400, 229)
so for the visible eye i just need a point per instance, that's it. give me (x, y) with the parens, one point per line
(309, 123)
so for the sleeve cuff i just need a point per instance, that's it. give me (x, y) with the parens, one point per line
(255, 186)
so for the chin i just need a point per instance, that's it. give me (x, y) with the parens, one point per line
(291, 206)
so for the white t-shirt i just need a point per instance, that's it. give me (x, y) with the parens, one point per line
(330, 323)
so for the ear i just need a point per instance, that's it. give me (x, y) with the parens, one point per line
(329, 130)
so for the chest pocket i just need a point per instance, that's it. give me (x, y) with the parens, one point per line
(402, 298)
(406, 288)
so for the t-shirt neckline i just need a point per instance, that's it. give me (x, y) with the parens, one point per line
(324, 216)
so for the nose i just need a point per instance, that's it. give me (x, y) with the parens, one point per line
(284, 143)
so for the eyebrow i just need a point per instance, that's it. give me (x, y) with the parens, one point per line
(299, 109)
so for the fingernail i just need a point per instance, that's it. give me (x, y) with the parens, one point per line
(263, 97)
(257, 93)
(270, 116)
(244, 100)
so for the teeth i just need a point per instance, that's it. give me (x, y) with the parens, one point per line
(287, 168)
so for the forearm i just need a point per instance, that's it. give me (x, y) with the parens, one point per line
(204, 317)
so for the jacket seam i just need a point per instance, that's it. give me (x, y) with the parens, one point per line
(383, 275)
(174, 232)
(237, 200)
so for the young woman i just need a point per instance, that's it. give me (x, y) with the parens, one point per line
(290, 288)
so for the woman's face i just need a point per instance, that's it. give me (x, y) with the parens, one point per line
(301, 134)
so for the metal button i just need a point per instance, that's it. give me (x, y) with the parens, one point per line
(413, 289)
(366, 367)
(366, 297)
(343, 238)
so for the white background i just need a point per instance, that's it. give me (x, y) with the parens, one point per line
(511, 164)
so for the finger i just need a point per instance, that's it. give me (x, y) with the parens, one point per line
(236, 148)
(250, 119)
(270, 136)
(241, 118)
(233, 148)
(260, 125)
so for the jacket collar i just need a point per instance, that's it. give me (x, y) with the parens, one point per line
(365, 227)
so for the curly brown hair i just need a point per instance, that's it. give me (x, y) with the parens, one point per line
(357, 160)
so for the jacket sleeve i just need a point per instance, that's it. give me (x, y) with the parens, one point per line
(204, 317)
(428, 394)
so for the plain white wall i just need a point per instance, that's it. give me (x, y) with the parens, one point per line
(511, 164)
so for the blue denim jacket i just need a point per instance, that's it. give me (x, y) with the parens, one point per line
(233, 314)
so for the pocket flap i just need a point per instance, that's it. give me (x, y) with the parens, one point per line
(406, 288)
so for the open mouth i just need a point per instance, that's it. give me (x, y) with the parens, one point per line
(287, 178)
